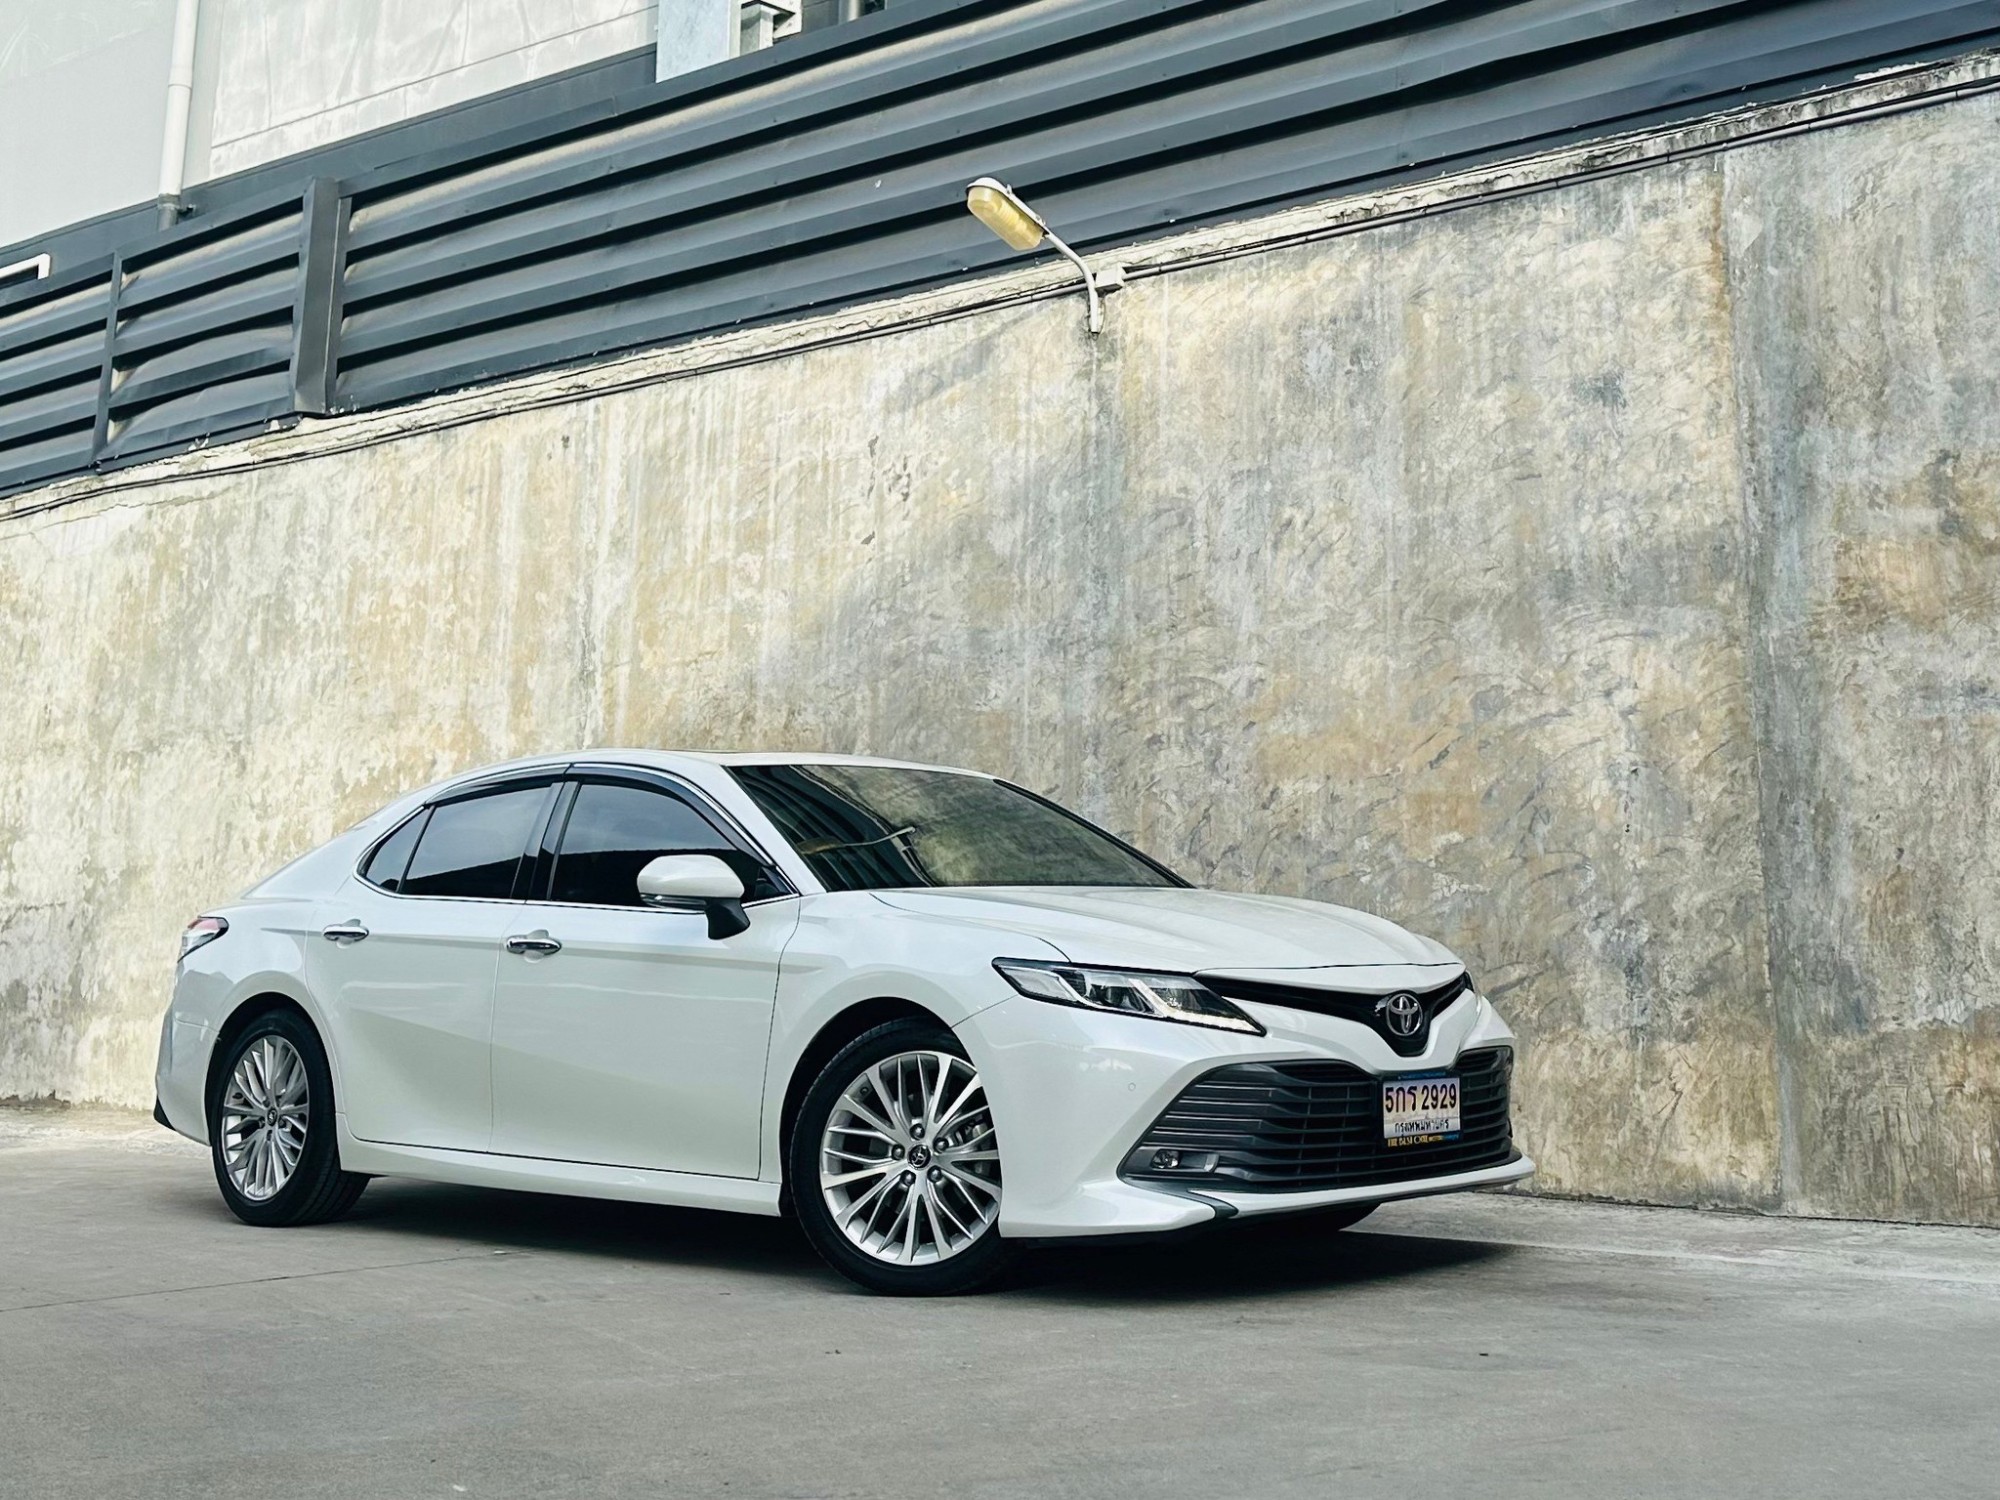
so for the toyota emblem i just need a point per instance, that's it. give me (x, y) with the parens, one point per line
(1403, 1014)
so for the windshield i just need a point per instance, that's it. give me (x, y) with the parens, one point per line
(864, 828)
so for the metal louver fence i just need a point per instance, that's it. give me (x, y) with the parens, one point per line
(831, 170)
(51, 362)
(203, 329)
(213, 329)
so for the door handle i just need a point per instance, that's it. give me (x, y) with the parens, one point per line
(533, 942)
(344, 932)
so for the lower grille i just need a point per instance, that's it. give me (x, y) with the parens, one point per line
(1298, 1127)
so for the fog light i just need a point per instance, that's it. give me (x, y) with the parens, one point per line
(1170, 1161)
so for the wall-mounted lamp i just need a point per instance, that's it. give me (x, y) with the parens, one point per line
(1001, 210)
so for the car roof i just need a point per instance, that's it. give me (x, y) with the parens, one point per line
(676, 759)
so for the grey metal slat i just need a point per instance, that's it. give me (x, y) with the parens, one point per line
(201, 413)
(51, 458)
(211, 361)
(180, 268)
(34, 415)
(74, 358)
(925, 254)
(206, 314)
(25, 323)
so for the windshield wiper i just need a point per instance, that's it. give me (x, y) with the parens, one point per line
(827, 846)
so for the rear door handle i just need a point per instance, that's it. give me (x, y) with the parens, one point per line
(533, 942)
(344, 932)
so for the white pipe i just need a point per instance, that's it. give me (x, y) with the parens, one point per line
(180, 99)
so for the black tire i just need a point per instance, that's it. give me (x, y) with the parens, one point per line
(318, 1189)
(977, 1266)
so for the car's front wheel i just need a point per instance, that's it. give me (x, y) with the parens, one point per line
(270, 1127)
(895, 1164)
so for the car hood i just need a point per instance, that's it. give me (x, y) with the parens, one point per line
(1184, 930)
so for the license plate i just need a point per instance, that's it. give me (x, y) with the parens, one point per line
(1416, 1111)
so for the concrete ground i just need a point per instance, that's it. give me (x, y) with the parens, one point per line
(450, 1342)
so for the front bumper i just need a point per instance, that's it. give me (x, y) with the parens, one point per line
(1073, 1092)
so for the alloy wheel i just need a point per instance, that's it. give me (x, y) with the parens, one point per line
(264, 1114)
(909, 1165)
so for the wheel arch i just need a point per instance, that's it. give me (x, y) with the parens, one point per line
(248, 1011)
(843, 1027)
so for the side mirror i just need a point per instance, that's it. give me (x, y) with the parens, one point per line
(684, 880)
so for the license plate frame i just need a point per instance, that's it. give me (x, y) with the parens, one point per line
(1422, 1109)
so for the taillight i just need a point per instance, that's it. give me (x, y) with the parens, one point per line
(199, 932)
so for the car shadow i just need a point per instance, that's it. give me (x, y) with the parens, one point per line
(1243, 1260)
(1234, 1260)
(557, 1224)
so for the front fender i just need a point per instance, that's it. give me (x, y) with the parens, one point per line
(850, 948)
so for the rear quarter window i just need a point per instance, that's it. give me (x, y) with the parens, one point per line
(391, 858)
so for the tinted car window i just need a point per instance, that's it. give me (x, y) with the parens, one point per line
(474, 847)
(391, 858)
(882, 827)
(615, 831)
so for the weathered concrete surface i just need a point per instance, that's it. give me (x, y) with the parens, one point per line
(1448, 569)
(1867, 293)
(445, 1341)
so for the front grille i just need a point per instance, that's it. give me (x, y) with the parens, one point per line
(1369, 1010)
(1302, 1126)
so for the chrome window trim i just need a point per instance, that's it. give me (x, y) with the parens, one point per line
(670, 911)
(501, 783)
(702, 803)
(699, 799)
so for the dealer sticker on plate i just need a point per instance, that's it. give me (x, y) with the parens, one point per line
(1417, 1111)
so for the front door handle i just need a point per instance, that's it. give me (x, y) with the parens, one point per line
(344, 932)
(533, 942)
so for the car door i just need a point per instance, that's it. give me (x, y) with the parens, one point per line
(405, 962)
(624, 1034)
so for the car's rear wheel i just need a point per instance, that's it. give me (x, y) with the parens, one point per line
(270, 1127)
(895, 1165)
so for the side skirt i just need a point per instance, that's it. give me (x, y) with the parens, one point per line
(570, 1178)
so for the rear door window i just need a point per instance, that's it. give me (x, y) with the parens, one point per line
(474, 847)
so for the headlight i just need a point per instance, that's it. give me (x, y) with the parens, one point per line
(199, 932)
(1130, 992)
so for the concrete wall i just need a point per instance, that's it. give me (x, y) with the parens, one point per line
(1602, 580)
(286, 75)
(83, 99)
(694, 34)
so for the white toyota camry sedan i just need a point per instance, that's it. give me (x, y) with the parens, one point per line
(929, 1013)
